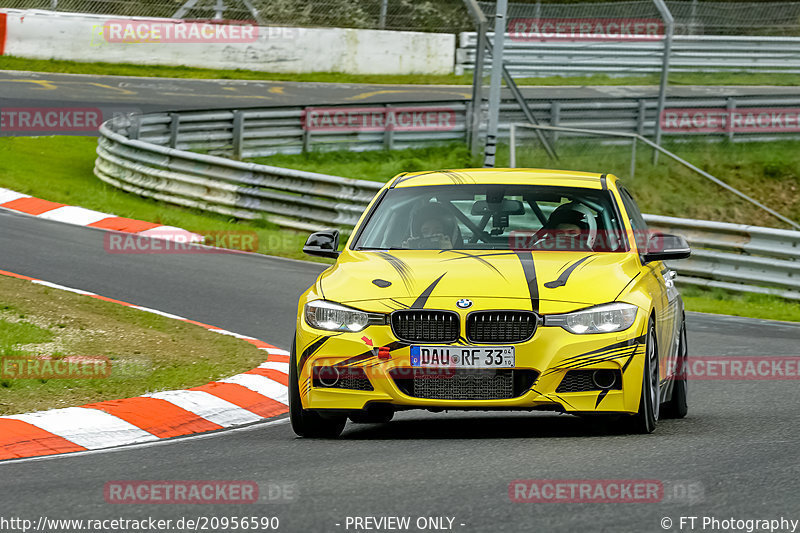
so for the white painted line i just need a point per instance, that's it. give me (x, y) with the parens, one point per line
(157, 312)
(262, 385)
(61, 287)
(276, 351)
(281, 367)
(232, 334)
(171, 233)
(208, 406)
(7, 195)
(90, 428)
(75, 215)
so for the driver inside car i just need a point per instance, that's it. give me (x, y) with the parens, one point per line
(431, 228)
(566, 229)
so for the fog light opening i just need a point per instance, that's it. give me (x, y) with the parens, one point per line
(328, 376)
(604, 379)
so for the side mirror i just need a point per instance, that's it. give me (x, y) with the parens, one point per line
(663, 247)
(323, 244)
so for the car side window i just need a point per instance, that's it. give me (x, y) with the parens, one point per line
(634, 214)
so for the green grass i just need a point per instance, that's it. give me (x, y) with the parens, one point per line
(60, 169)
(126, 69)
(159, 353)
(14, 334)
(723, 302)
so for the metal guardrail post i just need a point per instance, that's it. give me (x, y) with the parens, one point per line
(388, 132)
(555, 119)
(238, 133)
(730, 106)
(135, 126)
(174, 127)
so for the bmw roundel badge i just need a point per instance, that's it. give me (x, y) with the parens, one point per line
(464, 303)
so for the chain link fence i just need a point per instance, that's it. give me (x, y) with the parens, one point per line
(441, 16)
(692, 17)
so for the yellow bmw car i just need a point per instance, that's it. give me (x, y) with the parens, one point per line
(492, 289)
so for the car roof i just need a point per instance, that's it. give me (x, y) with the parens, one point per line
(509, 176)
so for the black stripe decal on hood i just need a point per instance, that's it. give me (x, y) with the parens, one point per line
(562, 279)
(422, 299)
(400, 266)
(526, 258)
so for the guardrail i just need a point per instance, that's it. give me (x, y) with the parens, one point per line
(256, 132)
(743, 258)
(559, 57)
(736, 257)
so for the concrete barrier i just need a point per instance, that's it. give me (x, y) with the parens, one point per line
(148, 41)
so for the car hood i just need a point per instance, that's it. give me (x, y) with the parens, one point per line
(413, 277)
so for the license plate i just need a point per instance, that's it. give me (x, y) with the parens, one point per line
(462, 356)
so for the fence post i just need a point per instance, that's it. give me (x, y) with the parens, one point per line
(382, 21)
(494, 86)
(512, 146)
(477, 92)
(238, 133)
(669, 27)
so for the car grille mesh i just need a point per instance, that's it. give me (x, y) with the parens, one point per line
(425, 325)
(473, 385)
(501, 326)
(463, 384)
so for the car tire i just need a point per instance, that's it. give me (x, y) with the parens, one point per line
(307, 423)
(677, 406)
(645, 420)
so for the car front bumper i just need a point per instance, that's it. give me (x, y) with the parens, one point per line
(550, 354)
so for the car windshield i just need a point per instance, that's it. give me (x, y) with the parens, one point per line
(492, 216)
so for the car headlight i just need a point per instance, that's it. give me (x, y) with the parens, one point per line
(606, 318)
(322, 314)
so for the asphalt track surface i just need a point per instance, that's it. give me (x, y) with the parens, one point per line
(739, 443)
(137, 94)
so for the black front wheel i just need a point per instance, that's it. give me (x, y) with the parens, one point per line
(646, 419)
(307, 423)
(677, 406)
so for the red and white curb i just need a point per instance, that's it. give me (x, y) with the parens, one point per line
(80, 216)
(245, 398)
